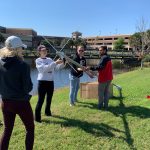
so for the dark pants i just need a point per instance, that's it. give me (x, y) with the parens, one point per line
(45, 88)
(24, 110)
(0, 120)
(103, 94)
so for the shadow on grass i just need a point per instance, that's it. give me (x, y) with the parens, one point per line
(122, 111)
(87, 105)
(96, 129)
(137, 111)
(92, 105)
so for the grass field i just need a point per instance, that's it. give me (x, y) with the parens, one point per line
(124, 126)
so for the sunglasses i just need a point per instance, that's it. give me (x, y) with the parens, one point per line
(81, 50)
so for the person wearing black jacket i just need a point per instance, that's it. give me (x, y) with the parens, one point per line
(0, 108)
(15, 85)
(75, 75)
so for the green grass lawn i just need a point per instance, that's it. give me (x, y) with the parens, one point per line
(124, 126)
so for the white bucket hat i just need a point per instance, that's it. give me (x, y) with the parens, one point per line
(14, 42)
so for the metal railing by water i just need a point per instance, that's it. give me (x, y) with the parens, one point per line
(87, 54)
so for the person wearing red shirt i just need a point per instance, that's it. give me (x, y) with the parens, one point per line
(105, 76)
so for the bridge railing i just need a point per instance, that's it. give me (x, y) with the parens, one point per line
(87, 54)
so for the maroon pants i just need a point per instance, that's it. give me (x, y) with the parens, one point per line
(24, 110)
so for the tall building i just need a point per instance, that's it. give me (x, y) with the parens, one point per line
(31, 39)
(28, 36)
(97, 41)
(25, 34)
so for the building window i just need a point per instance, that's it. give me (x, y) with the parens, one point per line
(99, 43)
(108, 43)
(108, 39)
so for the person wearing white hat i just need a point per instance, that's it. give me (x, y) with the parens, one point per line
(15, 85)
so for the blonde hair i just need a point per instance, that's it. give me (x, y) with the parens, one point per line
(9, 52)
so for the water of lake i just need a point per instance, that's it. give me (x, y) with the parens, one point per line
(61, 79)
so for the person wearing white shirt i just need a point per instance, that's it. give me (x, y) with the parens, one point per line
(46, 68)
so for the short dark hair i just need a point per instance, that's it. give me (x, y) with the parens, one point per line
(40, 47)
(104, 48)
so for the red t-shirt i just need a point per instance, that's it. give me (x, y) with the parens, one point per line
(105, 74)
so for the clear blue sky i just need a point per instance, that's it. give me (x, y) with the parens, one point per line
(62, 17)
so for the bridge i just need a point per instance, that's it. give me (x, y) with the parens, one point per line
(87, 54)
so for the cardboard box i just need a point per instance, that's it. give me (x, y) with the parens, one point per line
(89, 90)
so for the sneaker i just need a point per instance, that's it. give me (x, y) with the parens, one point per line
(100, 106)
(72, 104)
(105, 105)
(48, 114)
(37, 119)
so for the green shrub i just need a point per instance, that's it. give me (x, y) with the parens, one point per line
(117, 64)
(146, 58)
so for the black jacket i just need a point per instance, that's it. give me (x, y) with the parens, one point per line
(81, 61)
(102, 63)
(15, 81)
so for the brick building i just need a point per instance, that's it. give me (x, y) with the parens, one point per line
(31, 39)
(97, 41)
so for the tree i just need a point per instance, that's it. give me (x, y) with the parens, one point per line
(47, 44)
(70, 43)
(136, 41)
(56, 42)
(83, 43)
(145, 38)
(80, 41)
(74, 43)
(64, 43)
(119, 44)
(147, 47)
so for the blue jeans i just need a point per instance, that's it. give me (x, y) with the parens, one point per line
(74, 87)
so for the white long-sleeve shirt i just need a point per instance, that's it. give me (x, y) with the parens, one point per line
(46, 67)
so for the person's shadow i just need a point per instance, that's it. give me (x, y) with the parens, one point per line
(87, 105)
(101, 129)
(122, 111)
(96, 129)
